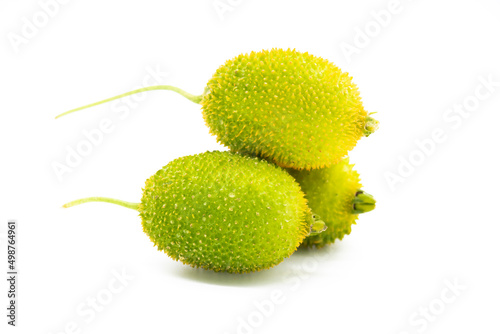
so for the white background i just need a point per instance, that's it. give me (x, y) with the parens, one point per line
(438, 223)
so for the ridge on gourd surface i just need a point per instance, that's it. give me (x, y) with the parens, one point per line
(296, 109)
(334, 193)
(223, 211)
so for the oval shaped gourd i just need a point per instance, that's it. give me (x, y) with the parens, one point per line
(222, 211)
(296, 109)
(334, 193)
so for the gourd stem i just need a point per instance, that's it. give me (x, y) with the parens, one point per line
(317, 226)
(130, 205)
(371, 125)
(363, 202)
(191, 97)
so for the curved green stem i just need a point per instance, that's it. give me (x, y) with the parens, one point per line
(191, 97)
(363, 202)
(130, 205)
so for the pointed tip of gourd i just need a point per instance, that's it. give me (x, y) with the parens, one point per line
(363, 202)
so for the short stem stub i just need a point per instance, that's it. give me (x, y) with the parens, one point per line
(371, 125)
(130, 205)
(317, 226)
(363, 202)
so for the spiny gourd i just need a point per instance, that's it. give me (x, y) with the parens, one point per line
(223, 211)
(296, 109)
(334, 193)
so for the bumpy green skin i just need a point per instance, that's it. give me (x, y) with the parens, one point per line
(330, 193)
(299, 110)
(224, 212)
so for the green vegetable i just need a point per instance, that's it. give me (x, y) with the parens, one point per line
(334, 193)
(298, 110)
(223, 211)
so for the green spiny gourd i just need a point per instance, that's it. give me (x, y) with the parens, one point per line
(223, 211)
(296, 109)
(334, 194)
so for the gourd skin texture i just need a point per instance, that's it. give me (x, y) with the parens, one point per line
(330, 193)
(224, 212)
(296, 109)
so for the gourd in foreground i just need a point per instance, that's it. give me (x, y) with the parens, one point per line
(334, 193)
(298, 110)
(223, 211)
